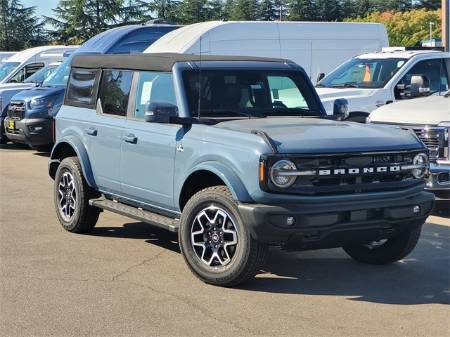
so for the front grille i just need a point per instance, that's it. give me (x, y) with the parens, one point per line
(16, 110)
(363, 181)
(434, 140)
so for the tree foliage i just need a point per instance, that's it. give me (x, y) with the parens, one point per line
(20, 27)
(407, 28)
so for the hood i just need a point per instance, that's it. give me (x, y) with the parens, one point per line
(430, 110)
(315, 135)
(39, 92)
(348, 93)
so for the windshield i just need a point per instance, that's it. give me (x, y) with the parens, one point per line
(60, 76)
(363, 73)
(6, 68)
(250, 93)
(41, 75)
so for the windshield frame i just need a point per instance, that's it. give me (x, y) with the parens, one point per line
(346, 66)
(306, 87)
(14, 66)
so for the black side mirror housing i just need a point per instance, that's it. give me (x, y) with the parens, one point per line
(340, 109)
(160, 112)
(320, 77)
(420, 86)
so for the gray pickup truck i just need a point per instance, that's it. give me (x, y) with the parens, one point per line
(235, 154)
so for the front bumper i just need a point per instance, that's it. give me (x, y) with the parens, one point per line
(31, 131)
(439, 180)
(330, 224)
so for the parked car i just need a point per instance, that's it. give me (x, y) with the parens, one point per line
(32, 111)
(371, 80)
(232, 153)
(429, 118)
(309, 44)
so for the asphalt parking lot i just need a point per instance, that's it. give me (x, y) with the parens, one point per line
(128, 279)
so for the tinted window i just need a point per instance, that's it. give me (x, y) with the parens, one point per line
(435, 70)
(26, 72)
(6, 68)
(114, 91)
(241, 93)
(82, 87)
(153, 87)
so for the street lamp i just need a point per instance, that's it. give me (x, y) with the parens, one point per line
(431, 31)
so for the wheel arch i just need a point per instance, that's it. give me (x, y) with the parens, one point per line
(68, 147)
(210, 174)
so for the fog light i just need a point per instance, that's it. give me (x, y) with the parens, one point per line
(290, 221)
(416, 209)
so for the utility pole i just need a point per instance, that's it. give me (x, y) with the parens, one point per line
(431, 31)
(445, 24)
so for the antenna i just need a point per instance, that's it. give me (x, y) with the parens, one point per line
(200, 81)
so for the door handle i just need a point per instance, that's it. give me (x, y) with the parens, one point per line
(91, 131)
(130, 138)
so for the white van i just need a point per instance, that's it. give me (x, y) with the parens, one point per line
(318, 47)
(22, 65)
(6, 54)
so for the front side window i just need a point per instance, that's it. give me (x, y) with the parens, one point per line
(60, 76)
(434, 70)
(40, 75)
(249, 93)
(114, 91)
(363, 73)
(26, 72)
(153, 87)
(82, 87)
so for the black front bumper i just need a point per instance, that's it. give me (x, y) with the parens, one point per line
(31, 131)
(336, 224)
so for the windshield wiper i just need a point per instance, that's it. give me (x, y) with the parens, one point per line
(345, 85)
(231, 111)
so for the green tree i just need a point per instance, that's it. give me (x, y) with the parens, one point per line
(78, 20)
(429, 4)
(408, 28)
(302, 10)
(193, 11)
(329, 10)
(244, 10)
(166, 9)
(215, 10)
(20, 27)
(267, 11)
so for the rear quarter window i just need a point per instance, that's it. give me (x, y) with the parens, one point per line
(82, 87)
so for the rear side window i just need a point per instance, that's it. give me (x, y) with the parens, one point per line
(82, 87)
(115, 91)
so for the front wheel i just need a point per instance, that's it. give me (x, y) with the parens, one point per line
(214, 241)
(71, 196)
(385, 251)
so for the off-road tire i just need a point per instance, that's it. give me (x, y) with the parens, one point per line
(250, 255)
(392, 250)
(85, 216)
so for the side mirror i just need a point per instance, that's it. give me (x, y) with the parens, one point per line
(160, 112)
(420, 86)
(340, 109)
(320, 77)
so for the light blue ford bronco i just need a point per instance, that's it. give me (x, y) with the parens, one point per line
(235, 154)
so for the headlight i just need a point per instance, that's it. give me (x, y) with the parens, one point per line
(279, 173)
(446, 138)
(41, 103)
(420, 160)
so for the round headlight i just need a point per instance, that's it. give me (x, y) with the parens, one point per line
(277, 173)
(420, 159)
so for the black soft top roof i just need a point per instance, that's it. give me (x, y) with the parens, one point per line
(157, 62)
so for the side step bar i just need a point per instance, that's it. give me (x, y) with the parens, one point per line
(151, 218)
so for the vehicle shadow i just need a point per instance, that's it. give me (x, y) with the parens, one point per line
(423, 277)
(442, 208)
(14, 146)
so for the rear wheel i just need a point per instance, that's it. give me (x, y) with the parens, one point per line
(215, 243)
(72, 196)
(386, 251)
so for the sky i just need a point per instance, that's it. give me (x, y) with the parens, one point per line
(43, 7)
